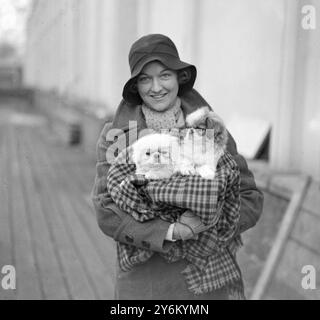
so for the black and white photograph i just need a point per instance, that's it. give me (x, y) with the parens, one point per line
(163, 150)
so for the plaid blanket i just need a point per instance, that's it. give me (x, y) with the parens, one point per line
(211, 256)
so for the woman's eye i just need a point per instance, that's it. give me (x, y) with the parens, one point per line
(165, 75)
(143, 79)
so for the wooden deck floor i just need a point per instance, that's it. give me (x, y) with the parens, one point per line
(48, 229)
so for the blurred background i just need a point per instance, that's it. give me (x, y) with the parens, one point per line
(63, 65)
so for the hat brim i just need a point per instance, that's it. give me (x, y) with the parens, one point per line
(132, 96)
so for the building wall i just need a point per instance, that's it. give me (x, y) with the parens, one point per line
(253, 59)
(296, 134)
(305, 138)
(238, 59)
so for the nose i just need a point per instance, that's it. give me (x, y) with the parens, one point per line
(156, 86)
(156, 156)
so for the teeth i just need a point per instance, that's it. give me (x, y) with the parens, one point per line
(160, 96)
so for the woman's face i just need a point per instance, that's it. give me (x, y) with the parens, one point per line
(158, 86)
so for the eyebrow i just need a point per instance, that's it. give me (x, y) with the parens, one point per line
(145, 74)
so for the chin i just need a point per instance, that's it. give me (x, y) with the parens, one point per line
(160, 107)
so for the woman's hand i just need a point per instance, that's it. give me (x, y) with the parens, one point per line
(193, 222)
(183, 232)
(188, 226)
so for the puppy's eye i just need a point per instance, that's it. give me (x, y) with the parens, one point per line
(148, 153)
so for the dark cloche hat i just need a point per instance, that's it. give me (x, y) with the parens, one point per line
(160, 48)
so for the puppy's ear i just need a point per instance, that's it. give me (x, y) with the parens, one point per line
(220, 130)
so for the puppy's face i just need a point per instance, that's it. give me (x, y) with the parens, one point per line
(153, 151)
(154, 157)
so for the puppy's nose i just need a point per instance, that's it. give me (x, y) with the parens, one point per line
(156, 156)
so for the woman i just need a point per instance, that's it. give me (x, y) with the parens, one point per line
(158, 96)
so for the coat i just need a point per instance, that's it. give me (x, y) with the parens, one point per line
(120, 226)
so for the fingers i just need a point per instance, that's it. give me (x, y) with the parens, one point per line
(193, 222)
(183, 232)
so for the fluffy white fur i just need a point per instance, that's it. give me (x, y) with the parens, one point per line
(154, 157)
(195, 118)
(159, 156)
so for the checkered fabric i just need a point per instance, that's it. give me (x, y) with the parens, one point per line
(216, 202)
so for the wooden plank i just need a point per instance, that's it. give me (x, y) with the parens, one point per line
(50, 270)
(289, 273)
(312, 200)
(280, 240)
(29, 284)
(86, 174)
(69, 174)
(97, 268)
(6, 256)
(258, 241)
(306, 231)
(74, 274)
(75, 160)
(105, 246)
(96, 271)
(285, 184)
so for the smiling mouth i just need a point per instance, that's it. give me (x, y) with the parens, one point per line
(158, 96)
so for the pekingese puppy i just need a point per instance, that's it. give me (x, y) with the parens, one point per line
(154, 155)
(159, 156)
